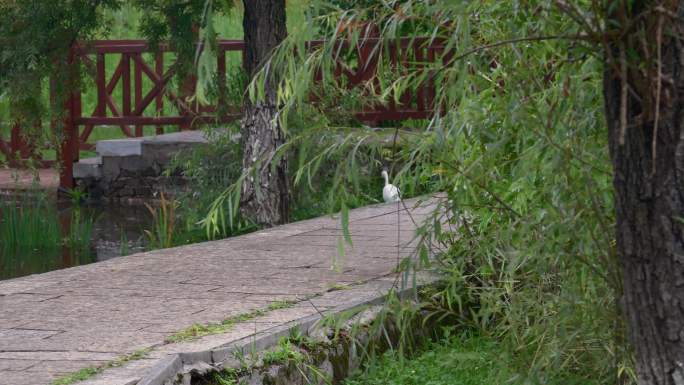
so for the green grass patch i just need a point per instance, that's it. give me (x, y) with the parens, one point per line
(200, 330)
(285, 352)
(80, 375)
(457, 361)
(91, 371)
(466, 359)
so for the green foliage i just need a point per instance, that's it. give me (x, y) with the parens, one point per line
(523, 231)
(124, 249)
(163, 232)
(298, 338)
(36, 237)
(29, 226)
(36, 36)
(456, 360)
(33, 225)
(223, 379)
(208, 170)
(179, 22)
(77, 376)
(80, 231)
(277, 305)
(285, 352)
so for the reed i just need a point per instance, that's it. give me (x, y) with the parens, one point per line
(36, 226)
(80, 231)
(29, 227)
(163, 232)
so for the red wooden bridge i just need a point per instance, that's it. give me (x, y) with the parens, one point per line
(134, 93)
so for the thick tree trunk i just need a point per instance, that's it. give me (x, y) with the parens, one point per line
(649, 196)
(265, 191)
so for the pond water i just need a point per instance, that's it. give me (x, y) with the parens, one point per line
(39, 234)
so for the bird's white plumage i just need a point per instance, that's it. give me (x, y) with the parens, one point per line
(390, 193)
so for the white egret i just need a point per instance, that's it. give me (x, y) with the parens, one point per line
(390, 193)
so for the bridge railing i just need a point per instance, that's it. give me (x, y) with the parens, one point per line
(135, 91)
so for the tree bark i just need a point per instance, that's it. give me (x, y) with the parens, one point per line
(648, 162)
(265, 193)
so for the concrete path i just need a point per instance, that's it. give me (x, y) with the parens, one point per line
(57, 323)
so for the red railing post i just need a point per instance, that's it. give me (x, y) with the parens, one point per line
(16, 144)
(138, 93)
(221, 70)
(159, 101)
(69, 146)
(126, 76)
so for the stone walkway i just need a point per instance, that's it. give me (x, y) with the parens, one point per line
(57, 323)
(18, 179)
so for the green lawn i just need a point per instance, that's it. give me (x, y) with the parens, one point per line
(457, 360)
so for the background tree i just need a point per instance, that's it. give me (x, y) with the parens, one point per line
(644, 99)
(265, 188)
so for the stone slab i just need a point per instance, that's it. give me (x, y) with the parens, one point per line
(119, 147)
(88, 168)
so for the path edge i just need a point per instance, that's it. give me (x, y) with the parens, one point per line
(170, 368)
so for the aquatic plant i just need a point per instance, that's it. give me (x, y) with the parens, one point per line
(29, 226)
(163, 230)
(124, 248)
(80, 231)
(37, 225)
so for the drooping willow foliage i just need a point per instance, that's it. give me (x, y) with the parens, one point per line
(36, 36)
(518, 147)
(35, 39)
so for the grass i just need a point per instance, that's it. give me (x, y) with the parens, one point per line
(33, 226)
(86, 373)
(225, 377)
(30, 226)
(200, 330)
(163, 230)
(296, 349)
(285, 352)
(464, 359)
(35, 237)
(80, 231)
(78, 376)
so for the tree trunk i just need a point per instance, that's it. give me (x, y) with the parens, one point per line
(265, 191)
(649, 186)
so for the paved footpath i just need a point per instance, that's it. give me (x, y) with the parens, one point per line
(59, 322)
(14, 179)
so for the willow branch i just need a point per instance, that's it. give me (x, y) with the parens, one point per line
(514, 41)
